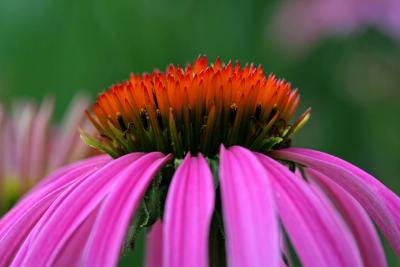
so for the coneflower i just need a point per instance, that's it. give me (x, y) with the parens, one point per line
(202, 156)
(31, 145)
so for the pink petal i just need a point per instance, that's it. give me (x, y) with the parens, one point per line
(154, 246)
(76, 244)
(15, 231)
(16, 225)
(381, 203)
(116, 213)
(319, 238)
(360, 224)
(188, 212)
(67, 214)
(55, 175)
(60, 178)
(52, 182)
(251, 225)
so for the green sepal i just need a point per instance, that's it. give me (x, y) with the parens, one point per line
(120, 137)
(270, 143)
(147, 214)
(304, 118)
(93, 142)
(214, 165)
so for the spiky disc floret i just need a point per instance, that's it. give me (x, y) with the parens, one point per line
(195, 109)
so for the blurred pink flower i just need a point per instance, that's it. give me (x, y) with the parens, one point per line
(303, 22)
(32, 146)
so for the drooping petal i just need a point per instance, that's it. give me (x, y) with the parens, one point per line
(52, 182)
(252, 232)
(104, 246)
(54, 176)
(67, 214)
(319, 238)
(154, 246)
(380, 203)
(76, 243)
(13, 236)
(360, 224)
(188, 212)
(17, 224)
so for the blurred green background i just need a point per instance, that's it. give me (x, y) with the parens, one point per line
(352, 82)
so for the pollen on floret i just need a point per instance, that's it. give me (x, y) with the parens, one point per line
(195, 109)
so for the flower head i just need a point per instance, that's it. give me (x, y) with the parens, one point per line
(32, 146)
(230, 187)
(196, 109)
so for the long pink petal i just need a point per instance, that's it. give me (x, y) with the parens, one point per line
(154, 246)
(381, 203)
(252, 232)
(187, 216)
(53, 182)
(104, 246)
(55, 175)
(67, 214)
(13, 234)
(392, 200)
(76, 243)
(360, 224)
(60, 178)
(318, 237)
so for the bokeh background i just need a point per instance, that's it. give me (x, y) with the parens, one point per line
(344, 56)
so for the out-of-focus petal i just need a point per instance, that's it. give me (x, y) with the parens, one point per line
(251, 225)
(319, 238)
(381, 203)
(31, 147)
(39, 138)
(360, 224)
(68, 134)
(154, 246)
(187, 216)
(107, 237)
(23, 123)
(67, 214)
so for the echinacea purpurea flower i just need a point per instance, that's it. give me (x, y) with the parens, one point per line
(199, 150)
